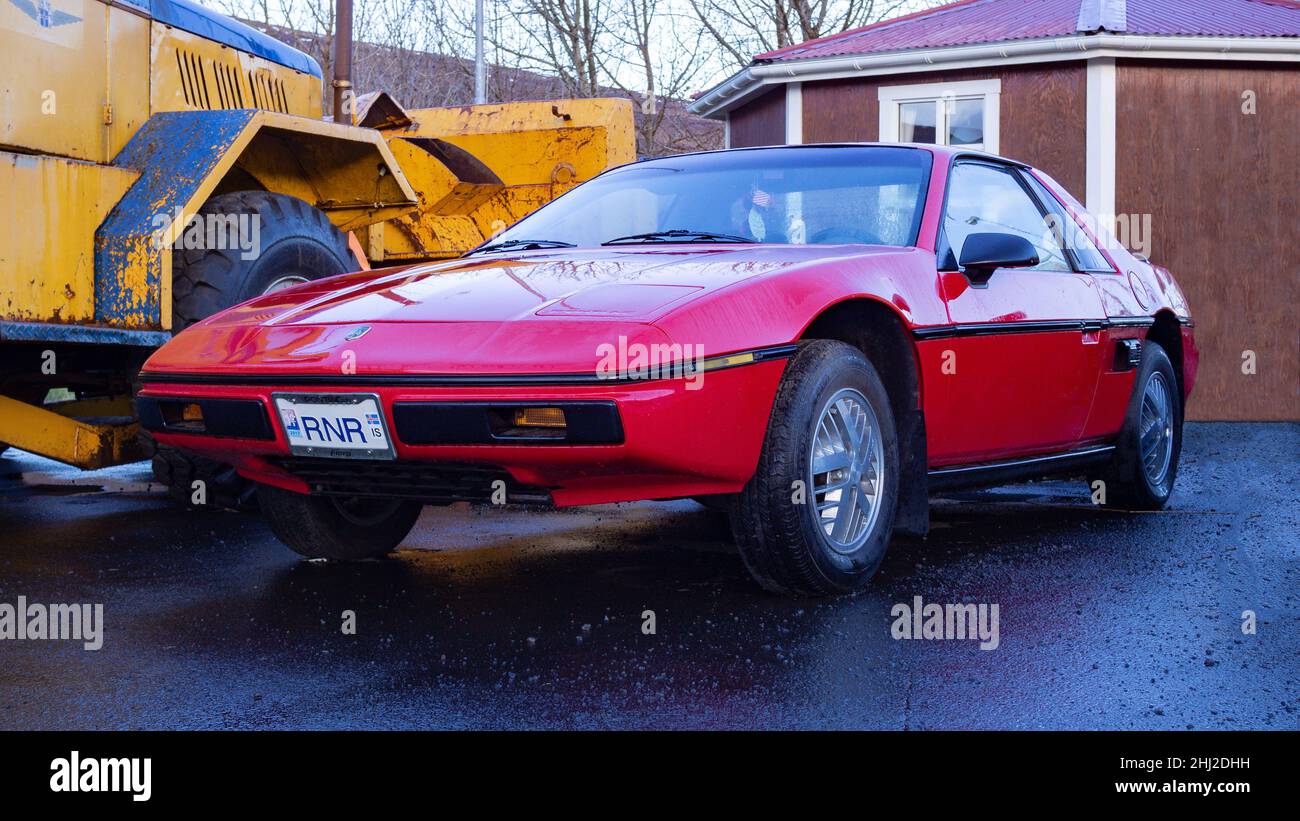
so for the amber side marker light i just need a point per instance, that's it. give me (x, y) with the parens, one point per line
(540, 418)
(528, 423)
(184, 417)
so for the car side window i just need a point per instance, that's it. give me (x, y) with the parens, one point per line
(984, 198)
(1068, 232)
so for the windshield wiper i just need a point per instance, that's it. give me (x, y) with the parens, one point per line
(521, 245)
(677, 235)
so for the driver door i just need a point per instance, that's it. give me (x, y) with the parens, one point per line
(1025, 346)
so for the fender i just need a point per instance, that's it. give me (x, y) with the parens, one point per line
(785, 306)
(182, 156)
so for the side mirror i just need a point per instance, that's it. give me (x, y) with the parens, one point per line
(982, 254)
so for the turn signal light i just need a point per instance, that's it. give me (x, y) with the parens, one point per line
(539, 418)
(186, 417)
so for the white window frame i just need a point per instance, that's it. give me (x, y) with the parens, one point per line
(892, 97)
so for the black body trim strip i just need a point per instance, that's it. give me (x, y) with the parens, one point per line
(996, 473)
(473, 423)
(713, 363)
(1029, 327)
(222, 418)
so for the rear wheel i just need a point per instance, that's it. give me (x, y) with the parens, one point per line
(1141, 476)
(330, 527)
(296, 243)
(817, 516)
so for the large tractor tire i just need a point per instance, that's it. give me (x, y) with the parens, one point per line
(296, 243)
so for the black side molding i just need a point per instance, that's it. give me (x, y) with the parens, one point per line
(480, 423)
(1030, 327)
(1033, 467)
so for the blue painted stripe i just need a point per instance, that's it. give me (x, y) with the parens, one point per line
(174, 152)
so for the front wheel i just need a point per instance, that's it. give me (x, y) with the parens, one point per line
(817, 516)
(343, 528)
(1141, 476)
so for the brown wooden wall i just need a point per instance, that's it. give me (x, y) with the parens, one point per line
(1043, 116)
(760, 121)
(1221, 187)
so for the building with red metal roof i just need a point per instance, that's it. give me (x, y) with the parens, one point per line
(1176, 120)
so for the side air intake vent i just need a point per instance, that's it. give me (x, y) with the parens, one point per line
(211, 84)
(268, 92)
(193, 82)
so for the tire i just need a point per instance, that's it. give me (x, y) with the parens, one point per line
(296, 242)
(224, 488)
(783, 548)
(322, 527)
(1131, 481)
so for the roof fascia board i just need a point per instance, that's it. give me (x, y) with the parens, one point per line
(753, 79)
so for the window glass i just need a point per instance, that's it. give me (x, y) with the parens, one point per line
(916, 122)
(1067, 231)
(987, 199)
(813, 195)
(966, 123)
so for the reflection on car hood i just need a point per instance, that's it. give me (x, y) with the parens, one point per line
(628, 284)
(526, 312)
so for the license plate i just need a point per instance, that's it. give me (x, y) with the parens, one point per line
(334, 425)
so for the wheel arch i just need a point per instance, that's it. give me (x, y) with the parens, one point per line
(181, 158)
(876, 328)
(1168, 334)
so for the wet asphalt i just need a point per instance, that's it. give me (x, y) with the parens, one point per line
(505, 618)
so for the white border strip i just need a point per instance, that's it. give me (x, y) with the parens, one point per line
(748, 81)
(1099, 187)
(794, 113)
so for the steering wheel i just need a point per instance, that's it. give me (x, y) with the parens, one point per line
(843, 235)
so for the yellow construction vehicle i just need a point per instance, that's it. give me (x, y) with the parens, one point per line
(160, 162)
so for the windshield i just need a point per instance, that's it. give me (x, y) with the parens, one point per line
(803, 196)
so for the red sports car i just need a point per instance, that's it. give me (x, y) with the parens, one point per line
(813, 337)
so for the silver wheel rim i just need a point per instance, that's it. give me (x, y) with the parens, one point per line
(282, 283)
(846, 466)
(1156, 437)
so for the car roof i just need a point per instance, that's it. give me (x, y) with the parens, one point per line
(941, 150)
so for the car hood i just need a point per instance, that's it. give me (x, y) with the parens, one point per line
(545, 311)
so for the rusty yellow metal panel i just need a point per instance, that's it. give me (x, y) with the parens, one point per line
(536, 142)
(53, 97)
(81, 444)
(48, 217)
(521, 156)
(126, 77)
(346, 171)
(193, 73)
(182, 156)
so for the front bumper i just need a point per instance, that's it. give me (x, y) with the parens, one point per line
(676, 440)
